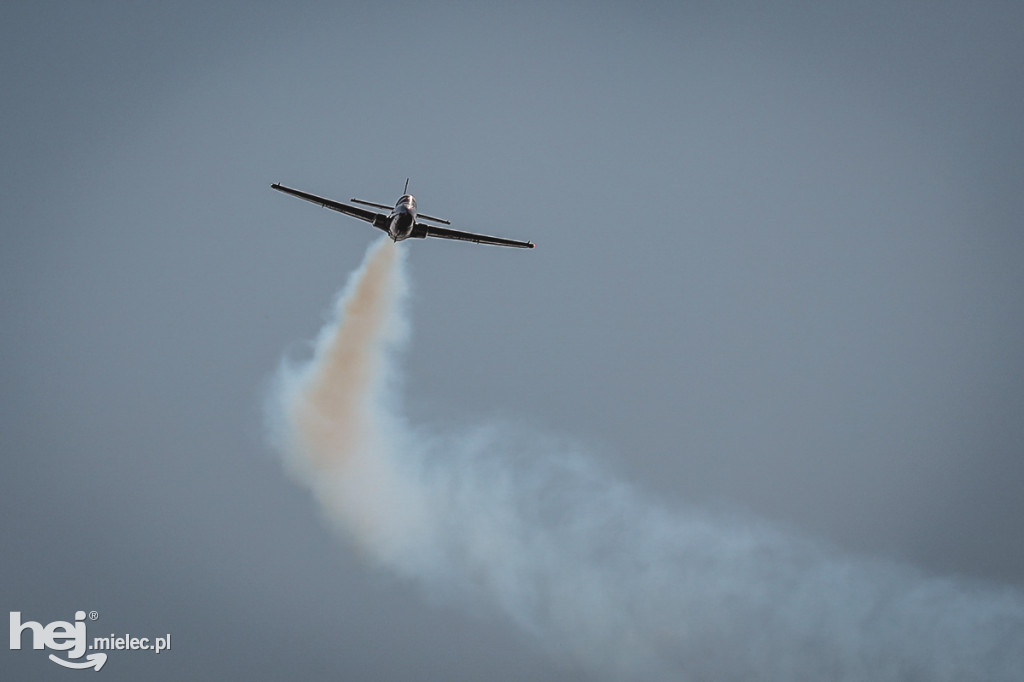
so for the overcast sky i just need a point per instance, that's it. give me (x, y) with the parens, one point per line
(779, 273)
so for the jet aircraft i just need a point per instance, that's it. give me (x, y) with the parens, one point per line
(403, 222)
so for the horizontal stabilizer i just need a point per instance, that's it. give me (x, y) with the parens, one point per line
(370, 203)
(388, 208)
(436, 220)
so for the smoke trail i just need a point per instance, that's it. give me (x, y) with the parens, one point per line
(598, 573)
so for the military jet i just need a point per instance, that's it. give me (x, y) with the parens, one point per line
(402, 221)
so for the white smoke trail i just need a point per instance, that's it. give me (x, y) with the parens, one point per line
(601, 575)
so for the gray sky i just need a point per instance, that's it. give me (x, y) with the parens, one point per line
(779, 270)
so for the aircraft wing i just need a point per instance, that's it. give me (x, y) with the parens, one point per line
(446, 233)
(378, 220)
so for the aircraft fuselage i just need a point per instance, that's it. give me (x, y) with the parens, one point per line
(403, 218)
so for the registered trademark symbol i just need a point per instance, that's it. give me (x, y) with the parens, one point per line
(93, 615)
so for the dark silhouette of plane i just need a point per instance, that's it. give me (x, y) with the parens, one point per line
(402, 221)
